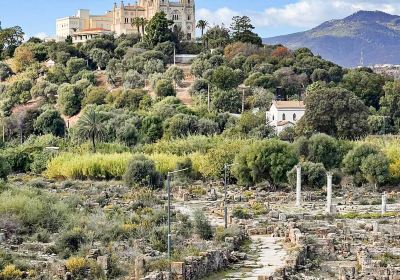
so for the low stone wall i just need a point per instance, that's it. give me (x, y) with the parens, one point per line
(196, 267)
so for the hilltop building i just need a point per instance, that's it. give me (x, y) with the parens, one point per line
(84, 26)
(283, 114)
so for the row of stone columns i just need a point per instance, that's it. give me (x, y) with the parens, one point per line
(329, 208)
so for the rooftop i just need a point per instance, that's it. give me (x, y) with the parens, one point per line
(289, 104)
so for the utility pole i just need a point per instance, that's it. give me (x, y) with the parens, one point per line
(243, 100)
(226, 166)
(169, 210)
(208, 97)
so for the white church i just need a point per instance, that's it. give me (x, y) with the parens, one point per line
(283, 114)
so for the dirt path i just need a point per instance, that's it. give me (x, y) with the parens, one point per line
(182, 92)
(266, 253)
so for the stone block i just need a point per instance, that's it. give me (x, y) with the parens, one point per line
(178, 268)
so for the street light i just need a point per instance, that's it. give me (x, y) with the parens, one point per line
(169, 208)
(226, 166)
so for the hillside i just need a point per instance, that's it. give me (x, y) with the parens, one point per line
(376, 34)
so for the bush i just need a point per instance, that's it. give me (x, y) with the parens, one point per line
(324, 149)
(241, 213)
(95, 95)
(353, 161)
(180, 125)
(33, 209)
(141, 171)
(268, 160)
(202, 225)
(11, 272)
(5, 167)
(375, 169)
(77, 266)
(313, 175)
(70, 242)
(50, 122)
(164, 88)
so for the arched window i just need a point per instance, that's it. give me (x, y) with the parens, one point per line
(283, 117)
(273, 117)
(294, 116)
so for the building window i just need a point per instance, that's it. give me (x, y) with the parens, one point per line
(294, 117)
(273, 117)
(283, 117)
(188, 18)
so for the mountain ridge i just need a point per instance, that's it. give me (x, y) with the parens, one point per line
(374, 33)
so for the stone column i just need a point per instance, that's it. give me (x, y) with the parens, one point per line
(329, 193)
(298, 186)
(384, 203)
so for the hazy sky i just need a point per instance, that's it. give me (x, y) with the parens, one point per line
(271, 17)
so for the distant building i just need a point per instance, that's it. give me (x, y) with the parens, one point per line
(82, 21)
(121, 19)
(283, 114)
(88, 34)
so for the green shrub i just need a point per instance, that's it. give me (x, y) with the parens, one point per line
(164, 88)
(313, 175)
(5, 167)
(70, 242)
(141, 171)
(34, 209)
(202, 225)
(241, 213)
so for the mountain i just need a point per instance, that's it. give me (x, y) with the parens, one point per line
(374, 34)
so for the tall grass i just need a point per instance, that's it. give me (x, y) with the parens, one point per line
(88, 166)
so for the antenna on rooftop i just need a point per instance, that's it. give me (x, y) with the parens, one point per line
(362, 59)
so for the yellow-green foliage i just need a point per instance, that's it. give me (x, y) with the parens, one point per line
(165, 162)
(88, 166)
(76, 265)
(10, 272)
(390, 146)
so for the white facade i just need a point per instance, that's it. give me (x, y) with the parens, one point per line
(283, 114)
(82, 21)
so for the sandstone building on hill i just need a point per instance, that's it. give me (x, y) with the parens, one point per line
(120, 20)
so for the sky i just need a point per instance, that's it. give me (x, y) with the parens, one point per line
(270, 17)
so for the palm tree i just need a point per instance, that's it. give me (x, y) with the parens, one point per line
(91, 126)
(143, 22)
(202, 24)
(136, 22)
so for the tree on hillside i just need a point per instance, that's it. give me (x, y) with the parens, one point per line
(23, 58)
(10, 39)
(158, 30)
(242, 30)
(100, 57)
(336, 112)
(5, 71)
(217, 36)
(367, 86)
(390, 105)
(50, 121)
(91, 126)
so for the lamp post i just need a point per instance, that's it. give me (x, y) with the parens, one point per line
(226, 166)
(169, 209)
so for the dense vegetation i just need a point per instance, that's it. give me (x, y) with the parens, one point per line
(108, 110)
